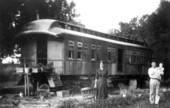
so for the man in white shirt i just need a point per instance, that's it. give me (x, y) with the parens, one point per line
(154, 84)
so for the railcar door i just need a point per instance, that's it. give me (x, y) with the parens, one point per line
(120, 60)
(42, 51)
(55, 54)
(29, 52)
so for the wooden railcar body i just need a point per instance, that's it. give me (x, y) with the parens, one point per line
(75, 50)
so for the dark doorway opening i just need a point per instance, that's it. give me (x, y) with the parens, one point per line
(42, 51)
(120, 60)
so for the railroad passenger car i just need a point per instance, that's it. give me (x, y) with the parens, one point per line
(75, 50)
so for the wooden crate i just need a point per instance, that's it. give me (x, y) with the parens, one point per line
(34, 70)
(88, 92)
(20, 70)
(63, 93)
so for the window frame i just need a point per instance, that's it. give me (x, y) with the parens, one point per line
(99, 53)
(71, 52)
(79, 50)
(109, 54)
(71, 48)
(93, 52)
(86, 51)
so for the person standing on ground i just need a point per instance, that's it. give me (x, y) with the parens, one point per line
(101, 82)
(154, 84)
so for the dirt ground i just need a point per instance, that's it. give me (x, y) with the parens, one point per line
(140, 100)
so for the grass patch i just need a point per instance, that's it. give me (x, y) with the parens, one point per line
(141, 101)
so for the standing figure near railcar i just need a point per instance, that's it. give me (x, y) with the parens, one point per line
(101, 82)
(155, 77)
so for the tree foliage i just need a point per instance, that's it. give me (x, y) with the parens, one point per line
(15, 13)
(158, 27)
(153, 29)
(135, 29)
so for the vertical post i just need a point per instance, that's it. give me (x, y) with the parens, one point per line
(28, 84)
(25, 84)
(37, 85)
(25, 78)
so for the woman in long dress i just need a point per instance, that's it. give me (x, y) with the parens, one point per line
(101, 82)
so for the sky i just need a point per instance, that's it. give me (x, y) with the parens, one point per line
(102, 15)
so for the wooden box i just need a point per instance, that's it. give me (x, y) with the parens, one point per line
(34, 70)
(63, 93)
(20, 70)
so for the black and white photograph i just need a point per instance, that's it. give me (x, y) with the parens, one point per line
(84, 54)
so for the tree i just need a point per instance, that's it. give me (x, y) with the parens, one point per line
(129, 29)
(158, 29)
(153, 29)
(15, 13)
(132, 29)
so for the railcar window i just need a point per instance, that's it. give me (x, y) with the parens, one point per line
(129, 58)
(109, 54)
(79, 50)
(120, 60)
(93, 52)
(135, 59)
(141, 60)
(98, 52)
(75, 29)
(138, 59)
(86, 51)
(132, 59)
(71, 50)
(144, 60)
(71, 54)
(79, 55)
(113, 55)
(66, 26)
(84, 30)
